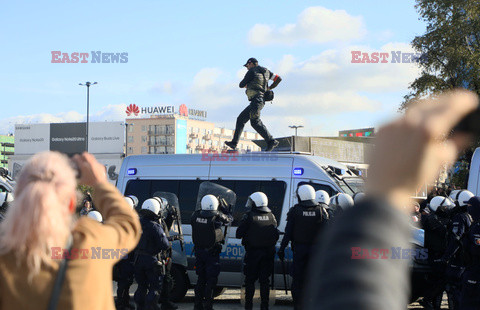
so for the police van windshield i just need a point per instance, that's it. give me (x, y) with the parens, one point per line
(351, 185)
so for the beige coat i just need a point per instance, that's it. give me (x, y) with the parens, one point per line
(88, 281)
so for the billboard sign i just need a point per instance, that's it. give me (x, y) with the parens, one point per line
(32, 138)
(69, 138)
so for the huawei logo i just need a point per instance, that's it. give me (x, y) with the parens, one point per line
(183, 110)
(132, 109)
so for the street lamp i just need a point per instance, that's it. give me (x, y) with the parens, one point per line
(87, 84)
(296, 127)
(126, 137)
(293, 140)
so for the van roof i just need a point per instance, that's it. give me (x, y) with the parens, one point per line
(189, 159)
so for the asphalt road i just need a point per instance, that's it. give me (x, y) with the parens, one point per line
(230, 300)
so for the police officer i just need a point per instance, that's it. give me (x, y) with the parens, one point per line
(304, 220)
(148, 267)
(322, 198)
(208, 238)
(124, 270)
(259, 234)
(470, 296)
(256, 83)
(166, 220)
(435, 226)
(453, 257)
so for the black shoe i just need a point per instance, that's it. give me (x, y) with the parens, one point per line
(426, 304)
(271, 145)
(168, 305)
(231, 144)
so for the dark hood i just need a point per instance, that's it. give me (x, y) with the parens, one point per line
(473, 208)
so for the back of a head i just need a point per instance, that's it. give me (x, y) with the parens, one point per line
(342, 200)
(439, 202)
(358, 197)
(209, 203)
(305, 193)
(39, 217)
(259, 201)
(462, 197)
(322, 196)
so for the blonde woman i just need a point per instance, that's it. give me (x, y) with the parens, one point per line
(40, 225)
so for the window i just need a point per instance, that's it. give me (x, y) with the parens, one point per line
(130, 150)
(204, 131)
(144, 128)
(130, 127)
(144, 138)
(318, 187)
(144, 150)
(130, 139)
(187, 191)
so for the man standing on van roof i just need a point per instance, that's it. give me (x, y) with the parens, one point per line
(256, 83)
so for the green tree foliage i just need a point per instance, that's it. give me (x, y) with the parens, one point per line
(450, 48)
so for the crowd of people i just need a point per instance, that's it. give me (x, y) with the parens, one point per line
(322, 231)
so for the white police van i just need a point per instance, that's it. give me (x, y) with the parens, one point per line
(276, 174)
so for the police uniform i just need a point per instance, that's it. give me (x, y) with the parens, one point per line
(207, 238)
(166, 257)
(123, 274)
(435, 226)
(304, 221)
(259, 234)
(148, 268)
(470, 295)
(459, 225)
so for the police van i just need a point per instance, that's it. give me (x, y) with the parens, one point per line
(277, 174)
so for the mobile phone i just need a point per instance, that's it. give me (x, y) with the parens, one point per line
(470, 124)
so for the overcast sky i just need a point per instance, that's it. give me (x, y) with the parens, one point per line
(192, 52)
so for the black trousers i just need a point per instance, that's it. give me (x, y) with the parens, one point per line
(207, 267)
(258, 264)
(252, 113)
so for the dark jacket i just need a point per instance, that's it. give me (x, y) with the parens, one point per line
(339, 282)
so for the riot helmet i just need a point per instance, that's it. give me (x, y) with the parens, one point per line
(342, 200)
(322, 196)
(95, 215)
(305, 192)
(259, 201)
(154, 205)
(209, 203)
(358, 197)
(463, 196)
(440, 201)
(132, 201)
(453, 195)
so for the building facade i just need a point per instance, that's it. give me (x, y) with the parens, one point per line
(7, 148)
(177, 134)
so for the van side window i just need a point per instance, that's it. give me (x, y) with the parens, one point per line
(187, 191)
(318, 187)
(275, 191)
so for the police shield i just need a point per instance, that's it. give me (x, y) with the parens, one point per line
(226, 197)
(173, 208)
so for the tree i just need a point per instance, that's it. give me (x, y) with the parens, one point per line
(450, 48)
